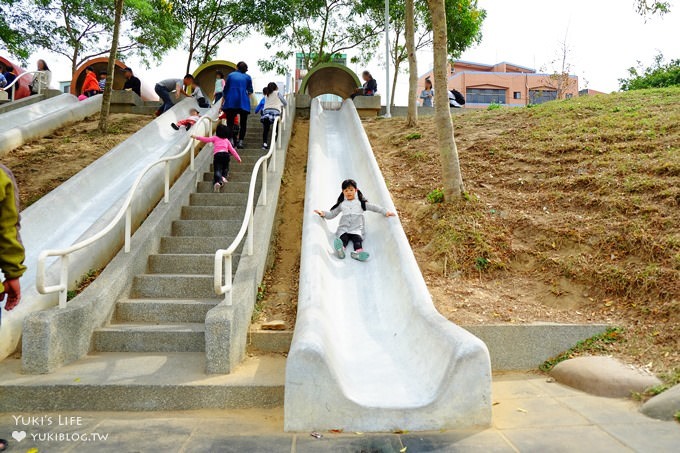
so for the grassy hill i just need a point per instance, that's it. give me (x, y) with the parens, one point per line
(572, 215)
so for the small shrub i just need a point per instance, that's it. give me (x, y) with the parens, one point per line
(531, 106)
(414, 136)
(436, 196)
(261, 291)
(493, 106)
(418, 155)
(481, 263)
(83, 283)
(677, 416)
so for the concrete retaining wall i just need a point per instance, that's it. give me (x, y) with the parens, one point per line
(226, 326)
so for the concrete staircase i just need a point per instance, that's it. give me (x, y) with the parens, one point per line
(167, 306)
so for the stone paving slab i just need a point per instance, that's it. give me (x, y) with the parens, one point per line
(553, 418)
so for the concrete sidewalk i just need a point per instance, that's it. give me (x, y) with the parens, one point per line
(529, 415)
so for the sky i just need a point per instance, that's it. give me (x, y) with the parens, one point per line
(605, 38)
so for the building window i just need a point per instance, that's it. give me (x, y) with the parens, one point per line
(484, 96)
(541, 96)
(517, 95)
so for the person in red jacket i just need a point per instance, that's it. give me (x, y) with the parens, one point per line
(91, 84)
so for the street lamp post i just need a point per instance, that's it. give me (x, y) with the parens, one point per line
(388, 114)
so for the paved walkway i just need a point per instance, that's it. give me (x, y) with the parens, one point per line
(529, 415)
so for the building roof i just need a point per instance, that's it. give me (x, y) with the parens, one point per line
(484, 65)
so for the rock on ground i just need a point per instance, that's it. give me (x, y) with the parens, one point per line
(603, 376)
(663, 406)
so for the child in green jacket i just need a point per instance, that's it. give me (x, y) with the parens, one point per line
(12, 252)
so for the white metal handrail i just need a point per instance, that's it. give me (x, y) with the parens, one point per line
(16, 81)
(126, 210)
(223, 256)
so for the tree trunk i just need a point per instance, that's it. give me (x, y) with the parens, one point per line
(397, 64)
(106, 100)
(448, 152)
(412, 114)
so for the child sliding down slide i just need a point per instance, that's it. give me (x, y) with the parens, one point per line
(193, 117)
(351, 204)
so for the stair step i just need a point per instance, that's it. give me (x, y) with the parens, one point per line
(163, 310)
(175, 337)
(206, 227)
(234, 176)
(202, 264)
(212, 212)
(218, 199)
(133, 381)
(194, 245)
(173, 286)
(230, 187)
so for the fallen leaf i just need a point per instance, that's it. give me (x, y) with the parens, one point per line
(519, 409)
(76, 379)
(335, 431)
(496, 403)
(403, 450)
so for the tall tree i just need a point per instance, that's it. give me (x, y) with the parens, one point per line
(81, 29)
(210, 22)
(106, 101)
(409, 31)
(448, 152)
(319, 29)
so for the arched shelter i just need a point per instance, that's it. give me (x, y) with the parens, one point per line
(330, 78)
(205, 74)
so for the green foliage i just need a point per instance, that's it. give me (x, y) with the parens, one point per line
(436, 196)
(595, 344)
(414, 136)
(677, 416)
(652, 7)
(658, 75)
(261, 291)
(317, 29)
(464, 21)
(493, 106)
(211, 22)
(82, 29)
(481, 263)
(14, 30)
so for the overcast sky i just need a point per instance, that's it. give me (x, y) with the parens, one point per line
(605, 36)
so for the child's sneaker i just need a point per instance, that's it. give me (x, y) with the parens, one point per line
(240, 144)
(339, 248)
(359, 256)
(174, 126)
(188, 126)
(265, 146)
(224, 180)
(217, 187)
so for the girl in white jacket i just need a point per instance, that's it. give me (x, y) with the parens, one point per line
(351, 204)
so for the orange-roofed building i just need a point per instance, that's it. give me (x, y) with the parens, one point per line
(504, 83)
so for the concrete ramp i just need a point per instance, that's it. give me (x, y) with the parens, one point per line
(370, 352)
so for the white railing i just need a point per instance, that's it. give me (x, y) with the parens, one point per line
(125, 210)
(223, 257)
(16, 82)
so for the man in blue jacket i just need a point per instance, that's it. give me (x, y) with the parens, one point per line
(237, 91)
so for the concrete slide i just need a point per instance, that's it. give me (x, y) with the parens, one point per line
(370, 352)
(83, 205)
(40, 119)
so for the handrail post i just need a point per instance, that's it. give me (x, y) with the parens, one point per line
(228, 280)
(251, 228)
(166, 195)
(191, 156)
(264, 184)
(63, 281)
(128, 228)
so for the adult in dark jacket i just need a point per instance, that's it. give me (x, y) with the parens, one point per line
(132, 83)
(237, 91)
(369, 87)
